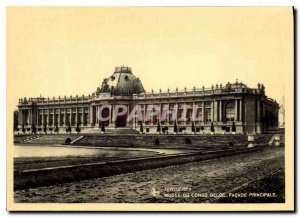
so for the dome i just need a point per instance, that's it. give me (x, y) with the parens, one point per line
(122, 81)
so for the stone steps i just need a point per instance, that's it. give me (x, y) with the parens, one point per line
(116, 131)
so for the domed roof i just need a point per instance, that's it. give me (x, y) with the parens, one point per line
(122, 82)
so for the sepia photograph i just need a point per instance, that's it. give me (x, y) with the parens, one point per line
(150, 108)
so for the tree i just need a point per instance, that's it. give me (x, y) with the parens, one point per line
(141, 128)
(33, 129)
(23, 128)
(157, 141)
(212, 128)
(77, 128)
(175, 128)
(233, 128)
(45, 128)
(69, 129)
(158, 127)
(56, 127)
(102, 127)
(193, 127)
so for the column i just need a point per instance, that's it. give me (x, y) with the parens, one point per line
(48, 117)
(37, 118)
(29, 117)
(110, 114)
(127, 118)
(236, 110)
(77, 118)
(71, 115)
(144, 113)
(43, 117)
(82, 116)
(65, 122)
(220, 111)
(203, 112)
(215, 110)
(59, 117)
(185, 118)
(176, 117)
(212, 111)
(258, 111)
(194, 113)
(91, 115)
(19, 117)
(168, 115)
(53, 117)
(241, 111)
(160, 112)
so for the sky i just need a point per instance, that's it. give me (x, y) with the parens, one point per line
(57, 51)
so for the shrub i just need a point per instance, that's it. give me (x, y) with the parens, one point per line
(193, 127)
(175, 127)
(233, 128)
(158, 127)
(141, 128)
(212, 128)
(102, 127)
(68, 140)
(34, 130)
(56, 128)
(77, 128)
(187, 141)
(157, 141)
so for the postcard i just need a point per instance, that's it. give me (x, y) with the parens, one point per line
(150, 108)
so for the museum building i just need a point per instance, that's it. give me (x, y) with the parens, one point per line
(249, 110)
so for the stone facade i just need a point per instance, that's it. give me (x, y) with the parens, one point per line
(222, 106)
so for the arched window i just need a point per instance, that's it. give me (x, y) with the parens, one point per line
(229, 111)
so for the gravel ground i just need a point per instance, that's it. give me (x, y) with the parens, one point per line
(206, 181)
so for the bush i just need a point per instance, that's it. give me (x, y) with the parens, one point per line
(102, 127)
(157, 141)
(141, 128)
(158, 127)
(68, 141)
(233, 128)
(187, 141)
(175, 128)
(212, 128)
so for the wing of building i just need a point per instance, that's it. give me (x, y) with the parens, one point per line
(249, 110)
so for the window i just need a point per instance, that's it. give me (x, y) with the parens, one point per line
(85, 119)
(199, 113)
(79, 118)
(230, 111)
(56, 119)
(68, 119)
(50, 119)
(40, 119)
(207, 114)
(62, 119)
(73, 119)
(45, 119)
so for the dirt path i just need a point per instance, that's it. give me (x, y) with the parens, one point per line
(194, 182)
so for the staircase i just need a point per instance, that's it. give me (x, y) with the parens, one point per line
(111, 131)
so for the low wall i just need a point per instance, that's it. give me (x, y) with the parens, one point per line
(171, 140)
(51, 176)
